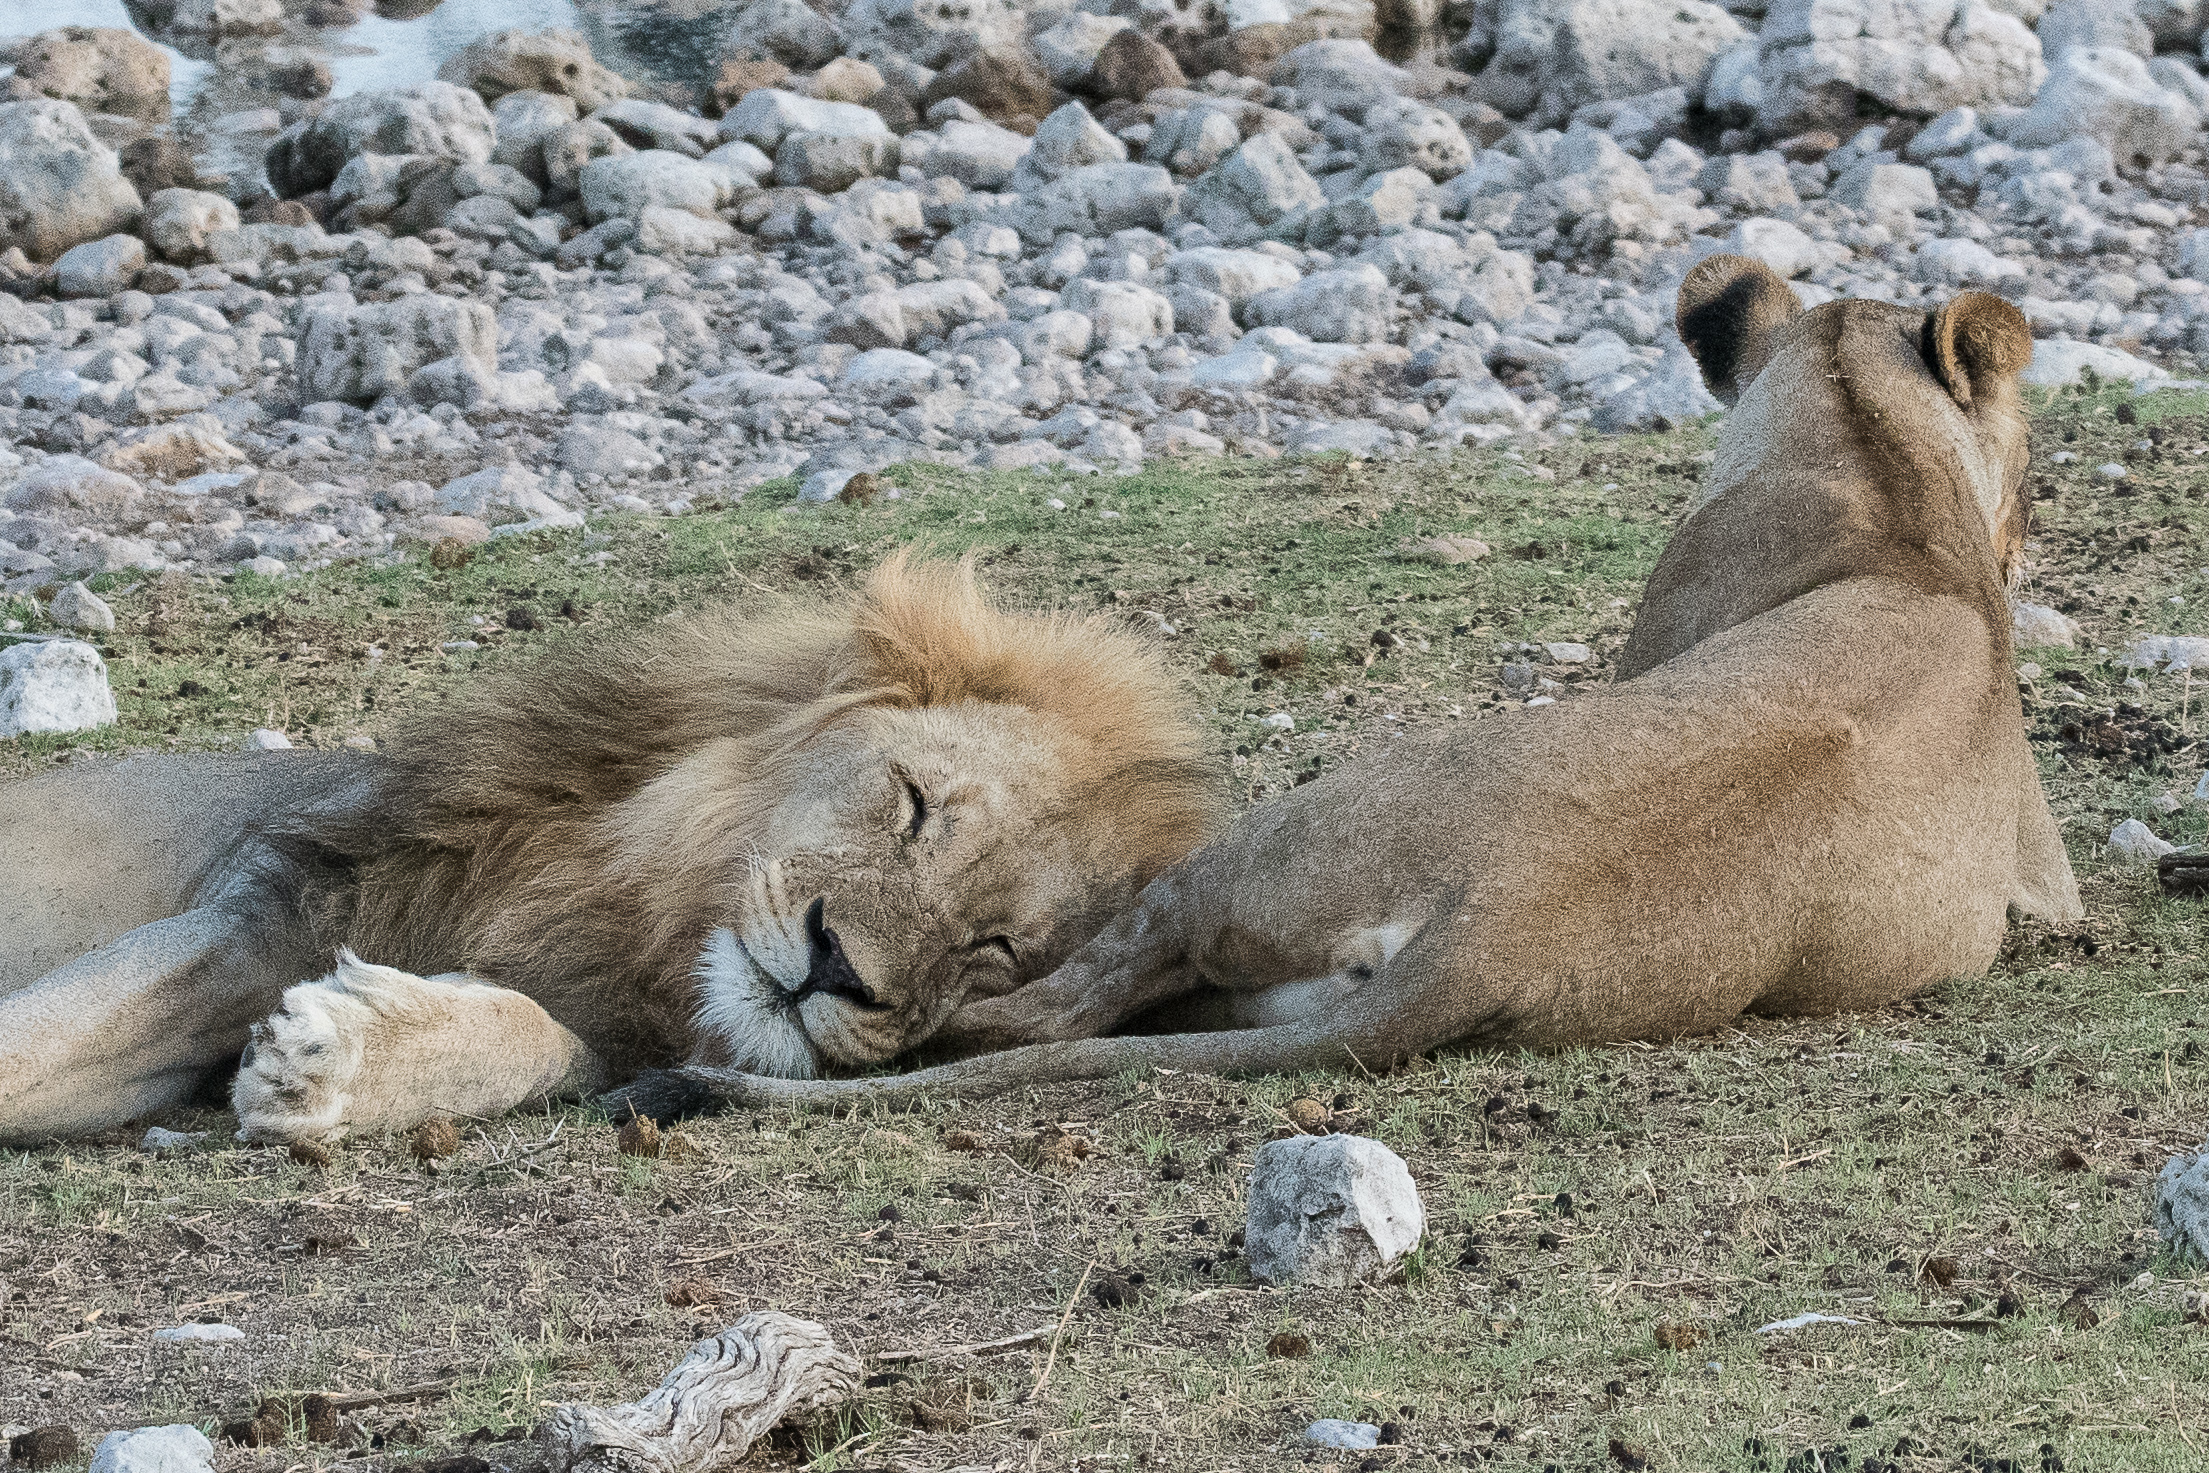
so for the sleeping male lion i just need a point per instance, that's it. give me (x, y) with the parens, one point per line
(1808, 792)
(779, 845)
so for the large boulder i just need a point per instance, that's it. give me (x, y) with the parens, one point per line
(1919, 57)
(2105, 93)
(100, 268)
(1002, 84)
(436, 120)
(765, 117)
(1552, 58)
(226, 17)
(1347, 304)
(555, 61)
(359, 354)
(1408, 134)
(99, 69)
(59, 184)
(2070, 24)
(1341, 75)
(1069, 49)
(1132, 66)
(1096, 200)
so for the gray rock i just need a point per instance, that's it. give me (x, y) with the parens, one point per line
(1960, 263)
(1097, 200)
(2136, 846)
(1347, 304)
(655, 125)
(177, 1449)
(1252, 190)
(524, 121)
(788, 31)
(53, 685)
(1341, 75)
(2057, 363)
(628, 184)
(602, 450)
(1330, 1210)
(78, 607)
(2036, 627)
(181, 222)
(59, 184)
(1069, 49)
(2107, 94)
(496, 494)
(1121, 314)
(100, 268)
(1779, 245)
(2071, 24)
(432, 119)
(2182, 1204)
(977, 155)
(1403, 133)
(158, 1141)
(1671, 395)
(1068, 139)
(831, 163)
(767, 116)
(1553, 57)
(1755, 184)
(185, 1335)
(1887, 192)
(360, 353)
(1335, 1432)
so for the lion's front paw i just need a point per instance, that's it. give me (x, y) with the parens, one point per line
(301, 1076)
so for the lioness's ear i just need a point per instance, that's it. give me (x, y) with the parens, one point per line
(1729, 308)
(1974, 342)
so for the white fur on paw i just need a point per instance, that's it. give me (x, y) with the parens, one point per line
(297, 1079)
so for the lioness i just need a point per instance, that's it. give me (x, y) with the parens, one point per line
(774, 845)
(1809, 792)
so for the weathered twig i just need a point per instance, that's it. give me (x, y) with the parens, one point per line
(711, 1408)
(946, 1352)
(1051, 1360)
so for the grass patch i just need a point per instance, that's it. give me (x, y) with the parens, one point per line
(1966, 1175)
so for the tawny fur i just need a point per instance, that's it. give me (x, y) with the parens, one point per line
(600, 832)
(1809, 791)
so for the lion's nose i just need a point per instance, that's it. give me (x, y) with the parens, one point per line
(831, 971)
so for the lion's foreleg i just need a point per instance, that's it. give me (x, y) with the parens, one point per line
(133, 1027)
(373, 1048)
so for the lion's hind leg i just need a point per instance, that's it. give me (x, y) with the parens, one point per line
(374, 1048)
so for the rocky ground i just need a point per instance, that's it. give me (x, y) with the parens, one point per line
(526, 290)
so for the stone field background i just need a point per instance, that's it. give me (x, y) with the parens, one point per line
(1968, 1176)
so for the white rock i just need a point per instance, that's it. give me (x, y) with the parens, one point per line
(176, 1449)
(100, 268)
(2057, 363)
(604, 451)
(2134, 845)
(1778, 244)
(2182, 1204)
(2172, 653)
(191, 1335)
(227, 17)
(1403, 133)
(1237, 371)
(1329, 1210)
(1960, 263)
(1096, 200)
(2107, 94)
(1918, 56)
(768, 115)
(978, 155)
(1348, 1436)
(790, 31)
(2037, 627)
(158, 1140)
(501, 493)
(830, 163)
(266, 739)
(59, 184)
(886, 375)
(1887, 192)
(180, 222)
(1237, 275)
(1345, 304)
(2071, 24)
(1121, 314)
(1191, 140)
(628, 184)
(1565, 652)
(53, 685)
(1068, 139)
(78, 607)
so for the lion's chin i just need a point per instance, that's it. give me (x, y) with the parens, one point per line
(748, 1013)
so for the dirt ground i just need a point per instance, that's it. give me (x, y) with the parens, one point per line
(1965, 1177)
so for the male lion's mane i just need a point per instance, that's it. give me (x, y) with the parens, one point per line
(489, 840)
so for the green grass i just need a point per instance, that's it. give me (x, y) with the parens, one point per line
(1845, 1165)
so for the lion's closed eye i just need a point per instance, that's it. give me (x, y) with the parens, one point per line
(916, 809)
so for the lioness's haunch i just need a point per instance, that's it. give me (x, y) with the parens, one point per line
(1809, 791)
(779, 844)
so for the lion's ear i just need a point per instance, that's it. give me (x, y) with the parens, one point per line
(1729, 308)
(1975, 342)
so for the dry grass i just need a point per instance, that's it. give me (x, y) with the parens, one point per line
(1964, 1176)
